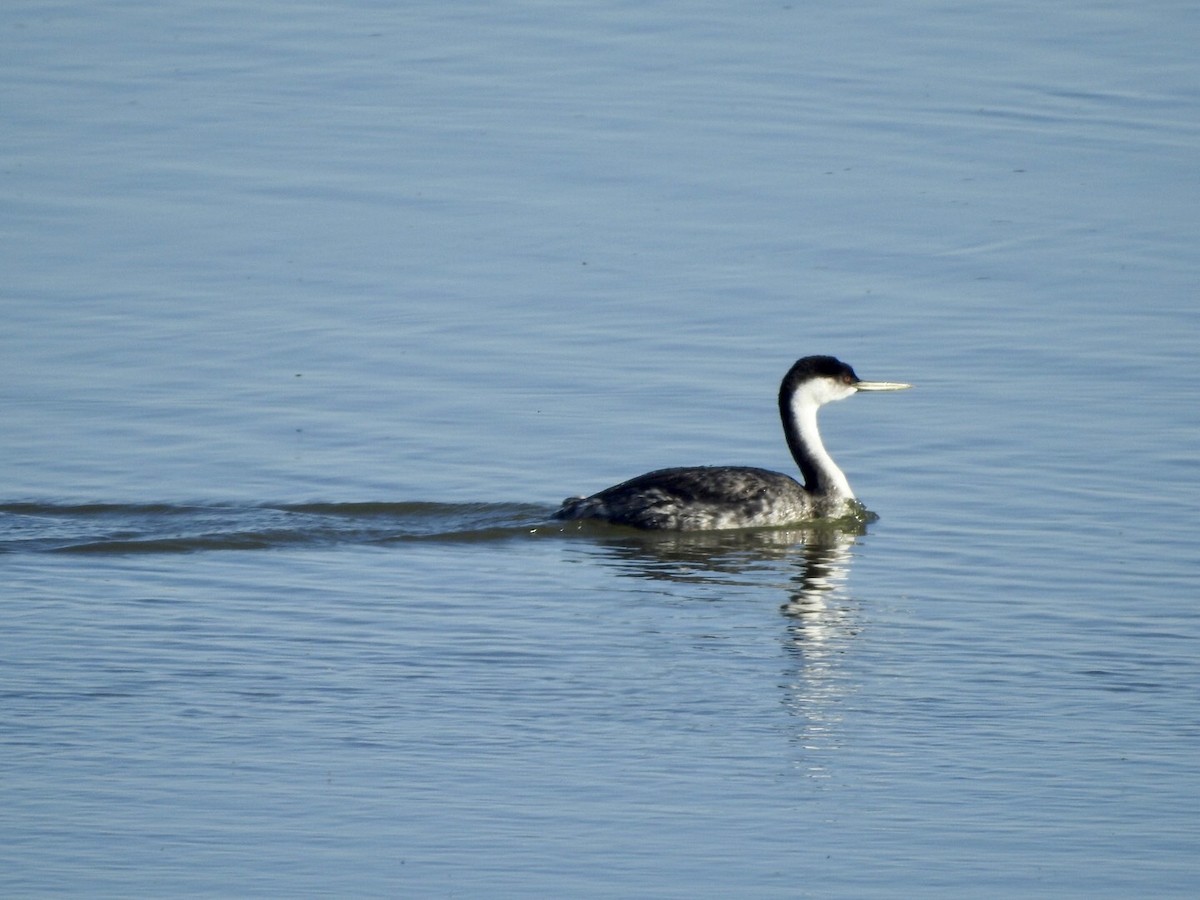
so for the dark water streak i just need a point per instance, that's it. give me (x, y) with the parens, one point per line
(184, 528)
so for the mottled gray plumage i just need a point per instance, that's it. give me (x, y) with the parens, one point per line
(697, 498)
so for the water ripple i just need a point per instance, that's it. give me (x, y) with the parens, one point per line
(183, 528)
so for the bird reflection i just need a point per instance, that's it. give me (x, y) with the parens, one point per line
(821, 615)
(820, 579)
(822, 618)
(719, 557)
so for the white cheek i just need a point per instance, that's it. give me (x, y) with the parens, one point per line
(824, 390)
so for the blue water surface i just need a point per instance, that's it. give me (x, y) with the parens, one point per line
(313, 313)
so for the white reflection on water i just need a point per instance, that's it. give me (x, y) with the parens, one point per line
(823, 618)
(811, 569)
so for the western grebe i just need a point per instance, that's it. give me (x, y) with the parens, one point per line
(712, 497)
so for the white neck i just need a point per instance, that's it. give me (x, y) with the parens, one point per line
(822, 476)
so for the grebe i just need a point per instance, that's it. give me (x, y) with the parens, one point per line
(712, 497)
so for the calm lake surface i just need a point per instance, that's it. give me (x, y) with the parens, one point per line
(314, 312)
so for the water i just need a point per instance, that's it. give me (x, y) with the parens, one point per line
(312, 314)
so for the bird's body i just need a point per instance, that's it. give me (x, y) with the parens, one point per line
(699, 498)
(717, 497)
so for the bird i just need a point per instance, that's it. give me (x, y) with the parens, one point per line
(703, 498)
